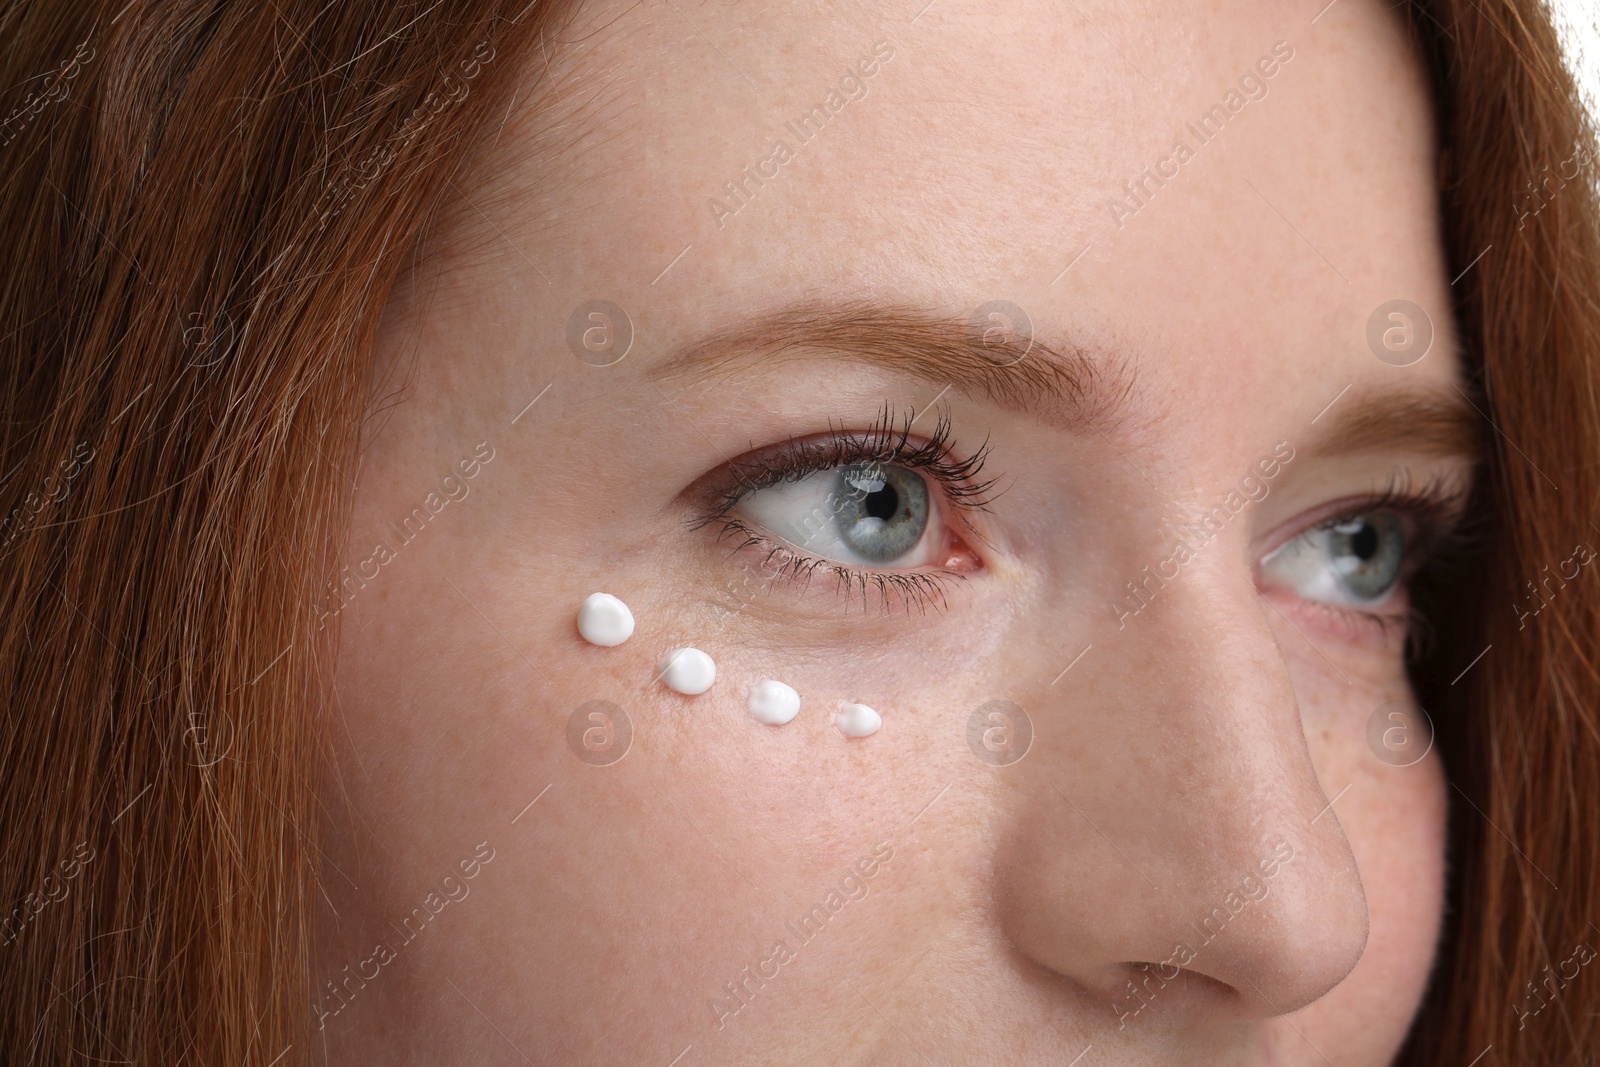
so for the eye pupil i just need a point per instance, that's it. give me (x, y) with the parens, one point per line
(1366, 553)
(1365, 542)
(883, 504)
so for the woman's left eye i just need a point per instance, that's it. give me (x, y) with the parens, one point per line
(864, 514)
(1355, 561)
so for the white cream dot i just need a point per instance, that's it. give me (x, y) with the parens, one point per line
(604, 620)
(688, 671)
(773, 703)
(857, 720)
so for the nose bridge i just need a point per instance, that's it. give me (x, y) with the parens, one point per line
(1183, 823)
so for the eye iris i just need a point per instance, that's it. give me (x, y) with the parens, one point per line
(884, 510)
(1366, 554)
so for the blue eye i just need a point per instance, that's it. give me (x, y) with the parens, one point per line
(884, 512)
(1355, 561)
(865, 514)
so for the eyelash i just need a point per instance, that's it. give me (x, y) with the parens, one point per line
(1433, 513)
(958, 479)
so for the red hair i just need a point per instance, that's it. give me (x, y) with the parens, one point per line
(208, 204)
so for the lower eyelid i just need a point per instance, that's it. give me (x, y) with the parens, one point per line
(1383, 629)
(893, 590)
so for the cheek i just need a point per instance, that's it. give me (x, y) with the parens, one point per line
(1395, 820)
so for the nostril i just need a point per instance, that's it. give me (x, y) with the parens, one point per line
(1145, 984)
(1244, 924)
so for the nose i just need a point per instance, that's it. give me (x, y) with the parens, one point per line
(1167, 841)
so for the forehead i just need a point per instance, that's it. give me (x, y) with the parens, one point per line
(1219, 189)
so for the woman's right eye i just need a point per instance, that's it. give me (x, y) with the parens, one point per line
(861, 514)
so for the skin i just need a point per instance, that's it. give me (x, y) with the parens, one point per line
(1184, 741)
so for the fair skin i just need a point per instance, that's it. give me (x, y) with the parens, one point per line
(1174, 746)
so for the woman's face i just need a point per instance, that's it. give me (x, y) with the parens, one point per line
(1174, 589)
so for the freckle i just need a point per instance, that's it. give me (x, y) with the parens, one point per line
(604, 620)
(857, 720)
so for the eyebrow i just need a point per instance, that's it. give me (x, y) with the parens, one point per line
(1060, 384)
(1428, 422)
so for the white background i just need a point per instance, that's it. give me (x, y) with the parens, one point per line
(1576, 19)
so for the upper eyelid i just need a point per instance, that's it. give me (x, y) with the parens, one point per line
(1437, 508)
(1439, 540)
(801, 457)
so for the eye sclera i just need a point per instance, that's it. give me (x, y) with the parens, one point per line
(1430, 520)
(842, 527)
(1304, 564)
(938, 552)
(958, 491)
